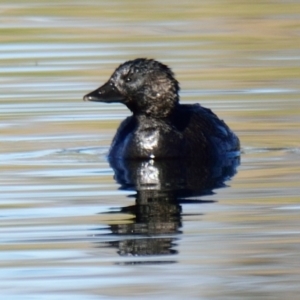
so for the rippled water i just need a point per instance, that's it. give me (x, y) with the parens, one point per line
(73, 226)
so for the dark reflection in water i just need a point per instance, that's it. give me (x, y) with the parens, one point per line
(161, 188)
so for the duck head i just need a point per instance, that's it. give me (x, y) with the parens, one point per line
(145, 86)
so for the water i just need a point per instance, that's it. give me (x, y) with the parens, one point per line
(71, 226)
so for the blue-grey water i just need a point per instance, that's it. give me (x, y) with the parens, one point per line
(70, 226)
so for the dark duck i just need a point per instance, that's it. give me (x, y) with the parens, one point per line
(161, 127)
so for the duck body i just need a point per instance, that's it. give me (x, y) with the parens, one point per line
(191, 131)
(161, 127)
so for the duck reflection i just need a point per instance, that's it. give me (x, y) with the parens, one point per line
(162, 186)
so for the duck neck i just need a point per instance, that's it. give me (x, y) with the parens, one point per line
(148, 121)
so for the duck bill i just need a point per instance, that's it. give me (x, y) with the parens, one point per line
(105, 93)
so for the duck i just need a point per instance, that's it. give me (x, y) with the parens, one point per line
(160, 127)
